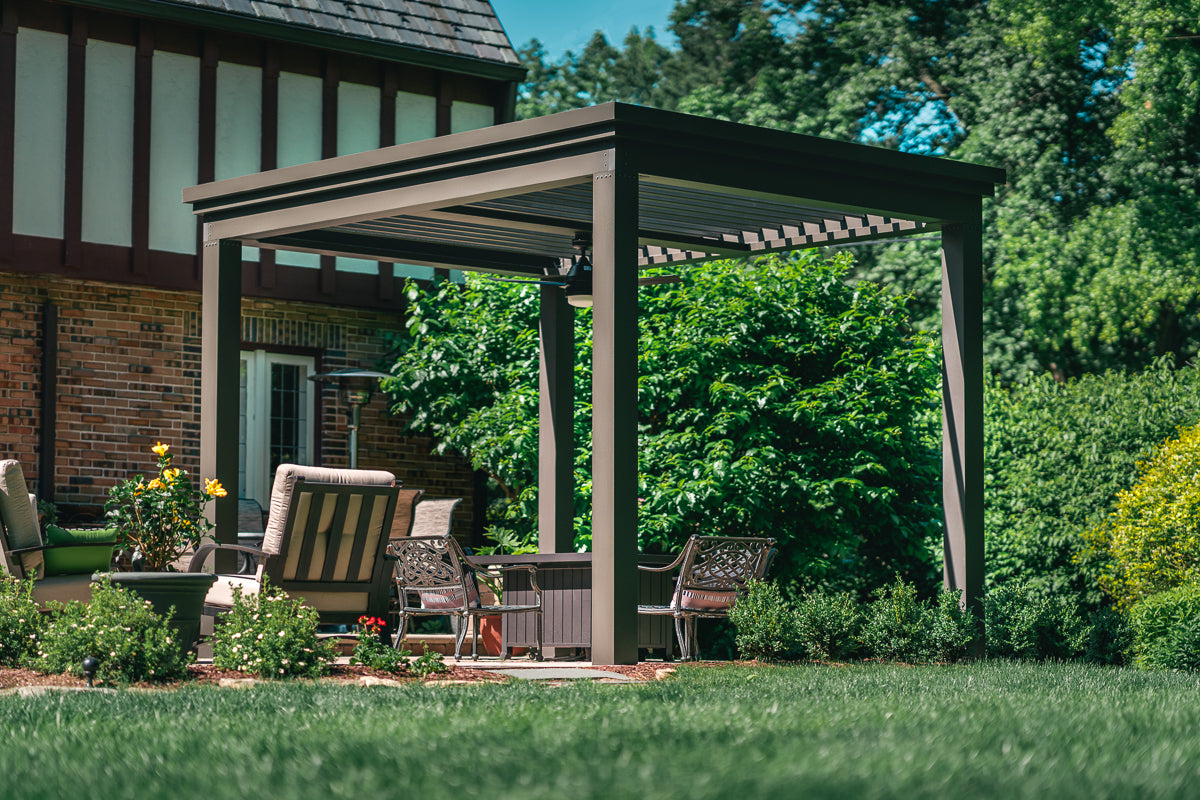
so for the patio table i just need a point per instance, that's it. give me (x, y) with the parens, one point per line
(566, 583)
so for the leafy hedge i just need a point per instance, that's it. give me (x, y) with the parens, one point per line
(1056, 456)
(774, 399)
(1152, 538)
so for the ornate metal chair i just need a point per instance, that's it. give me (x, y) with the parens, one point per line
(712, 571)
(435, 570)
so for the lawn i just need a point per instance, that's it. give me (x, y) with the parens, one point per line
(991, 729)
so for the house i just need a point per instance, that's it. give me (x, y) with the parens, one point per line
(108, 109)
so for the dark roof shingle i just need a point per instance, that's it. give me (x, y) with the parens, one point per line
(468, 28)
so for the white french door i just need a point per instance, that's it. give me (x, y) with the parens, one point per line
(276, 424)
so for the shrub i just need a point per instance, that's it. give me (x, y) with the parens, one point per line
(1023, 625)
(951, 629)
(1056, 456)
(812, 417)
(828, 625)
(1152, 538)
(1109, 637)
(1163, 625)
(428, 663)
(373, 653)
(895, 626)
(270, 635)
(20, 622)
(118, 629)
(765, 628)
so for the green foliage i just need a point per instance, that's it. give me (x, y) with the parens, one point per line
(765, 626)
(1023, 625)
(828, 625)
(1152, 538)
(952, 629)
(162, 518)
(270, 635)
(1056, 455)
(118, 629)
(895, 626)
(372, 652)
(774, 399)
(428, 663)
(20, 622)
(1166, 629)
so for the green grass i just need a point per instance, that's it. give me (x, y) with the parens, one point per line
(992, 729)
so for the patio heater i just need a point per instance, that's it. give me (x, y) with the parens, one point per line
(356, 387)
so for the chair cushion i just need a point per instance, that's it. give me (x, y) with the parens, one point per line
(285, 482)
(17, 511)
(63, 589)
(449, 598)
(78, 560)
(220, 594)
(707, 599)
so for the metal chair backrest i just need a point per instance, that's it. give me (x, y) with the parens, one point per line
(713, 569)
(433, 568)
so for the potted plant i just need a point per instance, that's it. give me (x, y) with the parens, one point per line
(158, 521)
(506, 543)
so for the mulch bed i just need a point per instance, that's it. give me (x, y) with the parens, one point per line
(206, 674)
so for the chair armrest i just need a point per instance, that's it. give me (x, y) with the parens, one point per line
(530, 568)
(678, 560)
(203, 550)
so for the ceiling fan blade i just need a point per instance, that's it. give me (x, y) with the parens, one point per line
(657, 279)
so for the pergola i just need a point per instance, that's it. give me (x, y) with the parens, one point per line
(651, 188)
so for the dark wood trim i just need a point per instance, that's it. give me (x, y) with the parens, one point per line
(445, 108)
(269, 157)
(8, 105)
(206, 160)
(387, 138)
(143, 77)
(73, 191)
(48, 424)
(445, 104)
(329, 149)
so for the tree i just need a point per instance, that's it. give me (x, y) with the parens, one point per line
(775, 398)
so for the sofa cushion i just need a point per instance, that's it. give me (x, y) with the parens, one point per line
(17, 511)
(79, 559)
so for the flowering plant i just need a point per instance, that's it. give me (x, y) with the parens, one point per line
(372, 652)
(162, 518)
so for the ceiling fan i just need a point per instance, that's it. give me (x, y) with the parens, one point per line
(577, 282)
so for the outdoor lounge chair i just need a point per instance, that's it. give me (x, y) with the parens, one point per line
(406, 503)
(435, 570)
(325, 542)
(712, 571)
(21, 542)
(434, 517)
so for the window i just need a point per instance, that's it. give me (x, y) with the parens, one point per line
(276, 418)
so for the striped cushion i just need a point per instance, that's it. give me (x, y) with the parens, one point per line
(449, 597)
(708, 599)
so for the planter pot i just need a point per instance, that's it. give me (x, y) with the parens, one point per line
(491, 639)
(183, 590)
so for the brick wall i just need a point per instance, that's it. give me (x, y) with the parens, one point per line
(129, 375)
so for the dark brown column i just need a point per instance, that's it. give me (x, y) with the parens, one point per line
(206, 159)
(270, 150)
(556, 424)
(614, 415)
(143, 76)
(329, 145)
(73, 167)
(8, 112)
(221, 336)
(962, 404)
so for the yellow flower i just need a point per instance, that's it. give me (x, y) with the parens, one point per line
(156, 484)
(171, 474)
(160, 449)
(214, 489)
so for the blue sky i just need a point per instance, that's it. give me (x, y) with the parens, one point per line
(563, 25)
